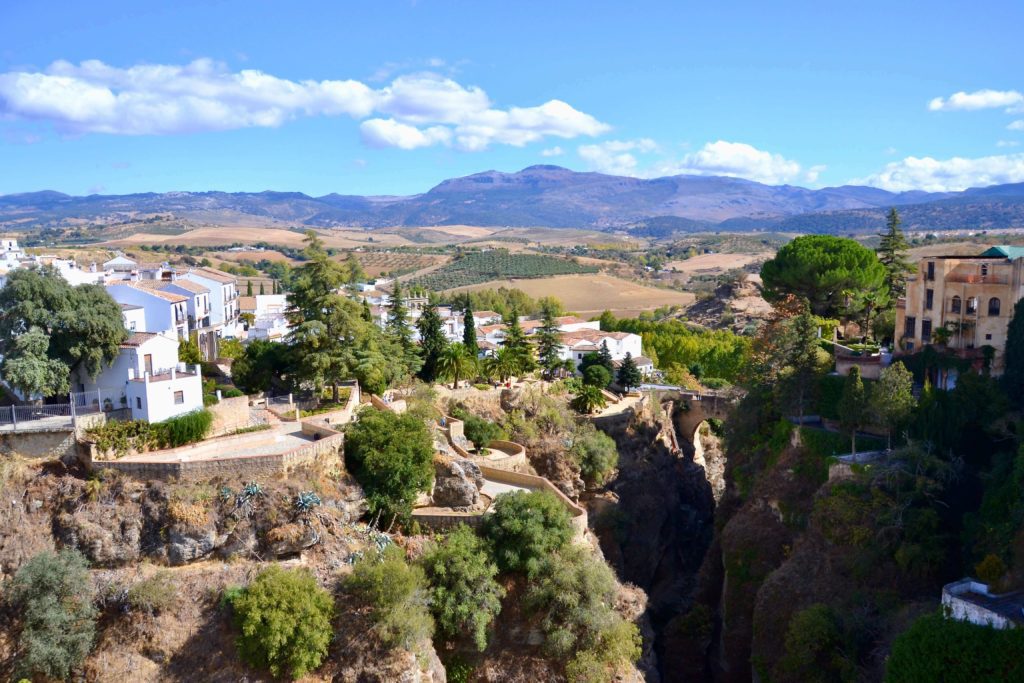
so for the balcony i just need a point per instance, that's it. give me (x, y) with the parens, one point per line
(967, 279)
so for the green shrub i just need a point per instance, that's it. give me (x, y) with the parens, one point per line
(231, 392)
(184, 429)
(815, 648)
(938, 649)
(153, 595)
(392, 457)
(210, 400)
(54, 596)
(524, 528)
(464, 596)
(480, 431)
(397, 593)
(597, 376)
(285, 622)
(596, 454)
(573, 593)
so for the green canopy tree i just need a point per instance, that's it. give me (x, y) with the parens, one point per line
(469, 329)
(798, 380)
(367, 311)
(517, 344)
(354, 269)
(398, 317)
(892, 399)
(262, 364)
(629, 376)
(1013, 376)
(548, 344)
(82, 325)
(825, 270)
(27, 368)
(853, 406)
(432, 341)
(892, 253)
(588, 399)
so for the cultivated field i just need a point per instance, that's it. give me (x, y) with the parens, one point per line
(377, 263)
(219, 236)
(716, 263)
(589, 295)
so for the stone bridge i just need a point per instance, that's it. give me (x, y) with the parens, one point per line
(697, 406)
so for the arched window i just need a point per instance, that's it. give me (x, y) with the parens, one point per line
(984, 269)
(954, 305)
(972, 304)
(993, 306)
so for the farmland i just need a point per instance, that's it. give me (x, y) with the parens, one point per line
(377, 263)
(590, 294)
(479, 267)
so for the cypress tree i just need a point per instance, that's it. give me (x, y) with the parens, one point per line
(367, 311)
(432, 341)
(262, 290)
(248, 288)
(853, 406)
(469, 329)
(892, 252)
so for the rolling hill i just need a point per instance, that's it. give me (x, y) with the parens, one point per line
(550, 196)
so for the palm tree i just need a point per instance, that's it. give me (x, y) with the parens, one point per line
(588, 399)
(456, 362)
(503, 364)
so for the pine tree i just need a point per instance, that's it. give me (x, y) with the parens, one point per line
(515, 341)
(892, 252)
(262, 290)
(1013, 376)
(604, 357)
(629, 376)
(853, 406)
(398, 317)
(798, 383)
(367, 311)
(469, 329)
(548, 344)
(248, 288)
(432, 341)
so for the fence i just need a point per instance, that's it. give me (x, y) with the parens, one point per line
(60, 416)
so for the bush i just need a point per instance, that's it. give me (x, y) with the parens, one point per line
(814, 648)
(524, 528)
(480, 431)
(596, 454)
(285, 622)
(54, 595)
(573, 593)
(938, 649)
(153, 595)
(397, 593)
(597, 376)
(464, 596)
(185, 429)
(392, 456)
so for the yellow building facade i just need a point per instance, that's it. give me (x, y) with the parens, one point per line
(963, 302)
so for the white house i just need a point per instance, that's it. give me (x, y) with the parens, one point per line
(120, 264)
(134, 317)
(165, 312)
(198, 306)
(223, 298)
(146, 378)
(576, 345)
(970, 600)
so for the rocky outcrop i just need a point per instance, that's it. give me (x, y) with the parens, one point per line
(457, 483)
(106, 540)
(289, 539)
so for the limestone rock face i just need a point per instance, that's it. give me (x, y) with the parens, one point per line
(291, 538)
(186, 545)
(106, 540)
(457, 483)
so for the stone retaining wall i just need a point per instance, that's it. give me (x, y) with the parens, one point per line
(40, 445)
(229, 415)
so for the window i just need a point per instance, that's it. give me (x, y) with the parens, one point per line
(926, 331)
(993, 306)
(988, 337)
(984, 269)
(910, 326)
(972, 305)
(179, 398)
(131, 326)
(931, 270)
(929, 298)
(954, 305)
(138, 402)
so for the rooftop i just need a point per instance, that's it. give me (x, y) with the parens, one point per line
(211, 274)
(246, 303)
(153, 287)
(138, 339)
(130, 307)
(1004, 252)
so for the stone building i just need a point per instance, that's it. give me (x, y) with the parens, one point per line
(963, 303)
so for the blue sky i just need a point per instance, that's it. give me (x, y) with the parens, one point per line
(391, 97)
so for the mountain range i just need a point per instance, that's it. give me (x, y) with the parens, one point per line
(557, 197)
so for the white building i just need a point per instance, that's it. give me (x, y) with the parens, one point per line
(134, 317)
(146, 378)
(166, 313)
(223, 298)
(269, 319)
(576, 345)
(198, 307)
(970, 600)
(120, 264)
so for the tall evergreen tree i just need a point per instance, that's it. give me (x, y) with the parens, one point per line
(798, 382)
(367, 311)
(548, 343)
(892, 399)
(248, 288)
(604, 357)
(398, 317)
(469, 329)
(262, 290)
(518, 345)
(629, 376)
(432, 341)
(892, 252)
(1013, 376)
(355, 269)
(853, 406)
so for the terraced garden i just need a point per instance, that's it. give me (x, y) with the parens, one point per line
(479, 267)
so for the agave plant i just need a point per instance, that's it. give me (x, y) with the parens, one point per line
(306, 501)
(249, 492)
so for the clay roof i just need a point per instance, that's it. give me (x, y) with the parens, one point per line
(211, 274)
(153, 287)
(190, 286)
(569, 320)
(247, 303)
(138, 339)
(485, 314)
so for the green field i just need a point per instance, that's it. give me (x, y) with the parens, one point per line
(479, 267)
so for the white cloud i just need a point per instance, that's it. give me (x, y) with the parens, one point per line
(615, 157)
(734, 159)
(813, 172)
(947, 175)
(413, 111)
(1007, 143)
(391, 133)
(979, 99)
(1016, 125)
(555, 151)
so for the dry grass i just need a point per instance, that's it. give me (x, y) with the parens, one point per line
(589, 295)
(716, 263)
